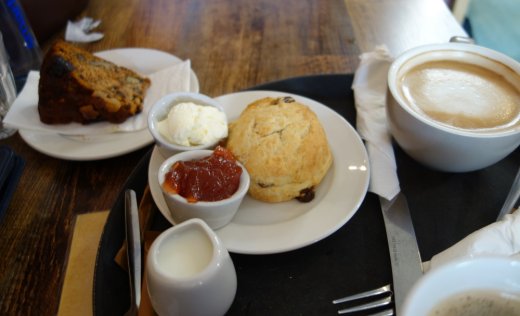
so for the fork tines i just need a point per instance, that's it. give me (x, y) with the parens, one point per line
(384, 291)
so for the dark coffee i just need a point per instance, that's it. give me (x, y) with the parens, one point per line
(478, 303)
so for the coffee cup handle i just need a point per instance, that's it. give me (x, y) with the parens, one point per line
(462, 39)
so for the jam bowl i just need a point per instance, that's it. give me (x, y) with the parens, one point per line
(197, 194)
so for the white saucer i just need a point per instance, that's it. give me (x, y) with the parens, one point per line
(264, 228)
(142, 60)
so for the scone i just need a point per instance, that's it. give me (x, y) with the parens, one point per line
(283, 147)
(76, 86)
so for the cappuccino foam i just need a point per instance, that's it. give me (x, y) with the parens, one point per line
(479, 303)
(463, 95)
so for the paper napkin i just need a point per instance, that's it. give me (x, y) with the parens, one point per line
(501, 238)
(23, 113)
(370, 86)
(80, 31)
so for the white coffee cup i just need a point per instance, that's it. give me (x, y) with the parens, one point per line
(189, 272)
(479, 277)
(428, 133)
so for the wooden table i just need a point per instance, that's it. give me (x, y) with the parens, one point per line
(232, 45)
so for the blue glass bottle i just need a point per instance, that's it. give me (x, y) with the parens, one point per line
(20, 42)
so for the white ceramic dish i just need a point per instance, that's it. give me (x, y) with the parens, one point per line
(160, 111)
(142, 60)
(498, 274)
(264, 228)
(215, 213)
(198, 281)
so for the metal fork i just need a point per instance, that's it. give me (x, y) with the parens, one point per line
(385, 292)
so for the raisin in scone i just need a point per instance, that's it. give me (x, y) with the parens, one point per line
(283, 147)
(76, 86)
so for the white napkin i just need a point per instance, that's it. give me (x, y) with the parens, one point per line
(370, 86)
(79, 31)
(498, 239)
(23, 113)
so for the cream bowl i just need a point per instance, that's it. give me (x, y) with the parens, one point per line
(500, 275)
(159, 112)
(438, 145)
(217, 213)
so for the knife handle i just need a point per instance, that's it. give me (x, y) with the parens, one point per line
(133, 242)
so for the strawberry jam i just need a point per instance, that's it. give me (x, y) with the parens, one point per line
(212, 178)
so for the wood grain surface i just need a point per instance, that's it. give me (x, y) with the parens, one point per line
(236, 44)
(232, 45)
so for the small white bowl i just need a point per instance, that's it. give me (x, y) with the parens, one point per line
(159, 112)
(216, 214)
(189, 272)
(497, 274)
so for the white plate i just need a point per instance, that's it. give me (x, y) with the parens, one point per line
(264, 228)
(141, 60)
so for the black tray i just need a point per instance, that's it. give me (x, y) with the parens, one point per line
(445, 208)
